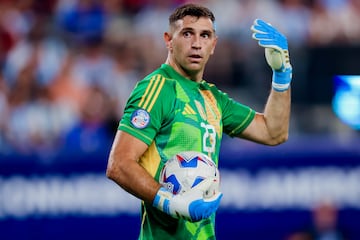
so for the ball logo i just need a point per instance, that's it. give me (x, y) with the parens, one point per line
(172, 184)
(140, 118)
(190, 161)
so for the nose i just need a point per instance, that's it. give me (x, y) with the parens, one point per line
(196, 42)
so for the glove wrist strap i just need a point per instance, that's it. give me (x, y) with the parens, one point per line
(281, 80)
(161, 200)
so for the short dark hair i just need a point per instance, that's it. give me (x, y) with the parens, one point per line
(193, 10)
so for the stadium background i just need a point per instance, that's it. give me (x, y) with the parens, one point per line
(67, 68)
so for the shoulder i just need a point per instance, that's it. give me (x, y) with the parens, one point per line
(155, 91)
(155, 82)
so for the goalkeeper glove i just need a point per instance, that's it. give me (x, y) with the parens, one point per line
(276, 53)
(190, 205)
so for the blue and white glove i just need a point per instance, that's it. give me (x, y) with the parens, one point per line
(276, 53)
(190, 205)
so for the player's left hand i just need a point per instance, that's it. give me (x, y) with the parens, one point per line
(190, 205)
(276, 53)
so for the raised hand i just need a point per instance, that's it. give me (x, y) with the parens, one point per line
(276, 53)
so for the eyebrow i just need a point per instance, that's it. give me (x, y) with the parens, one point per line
(210, 32)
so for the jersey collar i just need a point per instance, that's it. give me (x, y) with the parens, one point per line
(172, 72)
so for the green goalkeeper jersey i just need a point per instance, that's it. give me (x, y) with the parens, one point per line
(172, 114)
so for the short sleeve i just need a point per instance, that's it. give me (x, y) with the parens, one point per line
(147, 108)
(235, 116)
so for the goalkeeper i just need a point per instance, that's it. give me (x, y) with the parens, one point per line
(174, 109)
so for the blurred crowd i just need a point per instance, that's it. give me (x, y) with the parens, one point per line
(68, 66)
(324, 224)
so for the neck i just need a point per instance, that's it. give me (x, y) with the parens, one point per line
(195, 76)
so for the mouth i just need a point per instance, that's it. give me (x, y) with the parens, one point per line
(195, 57)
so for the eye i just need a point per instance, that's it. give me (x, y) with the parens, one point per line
(205, 35)
(187, 34)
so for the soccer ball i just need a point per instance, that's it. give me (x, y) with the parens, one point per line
(187, 169)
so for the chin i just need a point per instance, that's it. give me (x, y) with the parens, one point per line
(194, 67)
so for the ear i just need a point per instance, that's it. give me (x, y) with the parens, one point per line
(168, 40)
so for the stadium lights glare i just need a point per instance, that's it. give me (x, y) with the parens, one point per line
(346, 100)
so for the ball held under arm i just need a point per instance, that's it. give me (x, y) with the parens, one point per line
(190, 205)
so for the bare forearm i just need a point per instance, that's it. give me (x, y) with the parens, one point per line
(277, 115)
(124, 169)
(134, 179)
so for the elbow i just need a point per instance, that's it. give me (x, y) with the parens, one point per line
(119, 169)
(117, 175)
(279, 139)
(113, 170)
(110, 173)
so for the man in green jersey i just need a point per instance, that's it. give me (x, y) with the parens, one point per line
(173, 110)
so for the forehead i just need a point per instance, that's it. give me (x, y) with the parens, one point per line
(196, 23)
